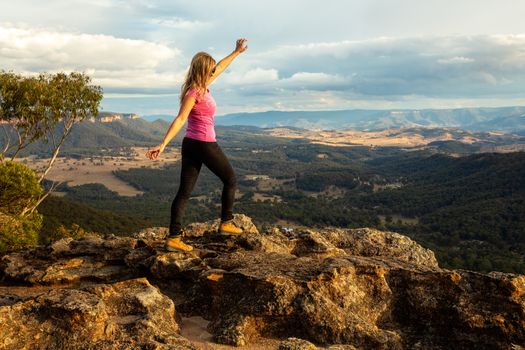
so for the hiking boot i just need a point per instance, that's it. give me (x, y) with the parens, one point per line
(175, 244)
(229, 228)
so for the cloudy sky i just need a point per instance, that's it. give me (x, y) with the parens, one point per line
(302, 54)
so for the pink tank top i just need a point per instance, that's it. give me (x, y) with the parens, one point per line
(200, 120)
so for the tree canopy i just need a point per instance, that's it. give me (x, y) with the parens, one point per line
(34, 105)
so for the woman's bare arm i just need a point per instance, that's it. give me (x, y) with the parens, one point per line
(225, 62)
(187, 104)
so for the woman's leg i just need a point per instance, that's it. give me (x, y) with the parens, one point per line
(191, 167)
(217, 162)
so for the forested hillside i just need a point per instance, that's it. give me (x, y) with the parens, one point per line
(470, 210)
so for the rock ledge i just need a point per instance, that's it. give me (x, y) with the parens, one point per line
(330, 288)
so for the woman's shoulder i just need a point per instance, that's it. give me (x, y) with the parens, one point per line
(192, 91)
(196, 92)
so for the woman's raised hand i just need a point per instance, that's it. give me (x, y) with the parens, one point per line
(241, 46)
(155, 151)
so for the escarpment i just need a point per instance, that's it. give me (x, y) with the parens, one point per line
(302, 288)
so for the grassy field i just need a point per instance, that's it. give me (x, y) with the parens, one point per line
(99, 169)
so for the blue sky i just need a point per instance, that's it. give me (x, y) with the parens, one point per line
(302, 55)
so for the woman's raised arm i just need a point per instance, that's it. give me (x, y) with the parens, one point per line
(225, 62)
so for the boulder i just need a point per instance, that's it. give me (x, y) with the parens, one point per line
(121, 315)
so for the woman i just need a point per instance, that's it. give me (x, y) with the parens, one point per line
(199, 145)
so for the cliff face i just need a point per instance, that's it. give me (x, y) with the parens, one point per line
(358, 288)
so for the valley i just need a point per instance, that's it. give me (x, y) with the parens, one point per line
(100, 168)
(439, 186)
(410, 138)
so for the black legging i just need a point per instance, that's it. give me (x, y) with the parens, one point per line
(194, 154)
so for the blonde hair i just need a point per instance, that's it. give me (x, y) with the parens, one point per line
(201, 66)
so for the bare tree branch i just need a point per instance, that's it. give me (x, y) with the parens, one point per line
(67, 130)
(6, 148)
(21, 141)
(54, 185)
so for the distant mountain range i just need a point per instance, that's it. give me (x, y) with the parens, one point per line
(115, 130)
(506, 119)
(92, 138)
(109, 130)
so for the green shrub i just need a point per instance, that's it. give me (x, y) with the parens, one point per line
(19, 190)
(19, 187)
(18, 232)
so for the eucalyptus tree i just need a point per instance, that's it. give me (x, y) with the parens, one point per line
(36, 107)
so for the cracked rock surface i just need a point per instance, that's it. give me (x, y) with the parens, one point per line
(305, 289)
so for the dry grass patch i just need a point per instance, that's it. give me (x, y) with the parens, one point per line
(99, 169)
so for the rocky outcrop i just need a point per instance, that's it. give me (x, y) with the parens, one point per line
(331, 288)
(120, 315)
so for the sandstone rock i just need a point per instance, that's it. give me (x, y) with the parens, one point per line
(113, 249)
(282, 295)
(312, 243)
(151, 233)
(171, 264)
(337, 288)
(123, 315)
(200, 229)
(7, 298)
(296, 344)
(341, 347)
(372, 242)
(212, 244)
(71, 261)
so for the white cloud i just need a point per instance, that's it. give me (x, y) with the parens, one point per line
(455, 60)
(252, 76)
(136, 79)
(181, 23)
(314, 78)
(111, 61)
(35, 48)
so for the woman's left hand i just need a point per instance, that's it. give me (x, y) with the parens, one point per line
(155, 151)
(240, 45)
